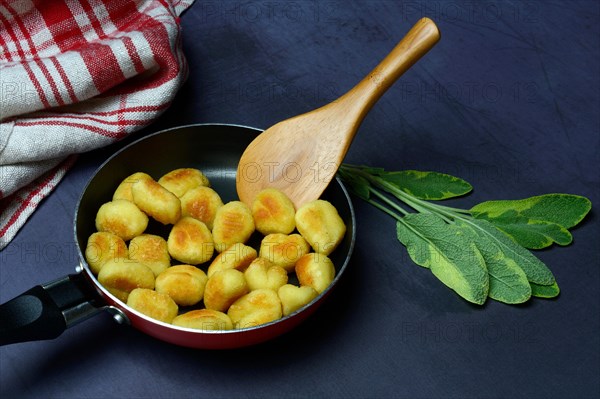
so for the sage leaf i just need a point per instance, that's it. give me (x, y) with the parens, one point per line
(508, 282)
(530, 233)
(535, 270)
(566, 210)
(415, 243)
(427, 185)
(448, 252)
(545, 291)
(481, 252)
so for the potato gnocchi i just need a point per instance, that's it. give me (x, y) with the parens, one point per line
(238, 256)
(179, 181)
(257, 307)
(121, 276)
(283, 250)
(321, 225)
(273, 212)
(201, 203)
(262, 273)
(223, 288)
(122, 218)
(207, 272)
(123, 191)
(183, 283)
(151, 250)
(152, 303)
(102, 246)
(233, 224)
(156, 201)
(190, 241)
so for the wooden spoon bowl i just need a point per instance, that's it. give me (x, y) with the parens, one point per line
(301, 155)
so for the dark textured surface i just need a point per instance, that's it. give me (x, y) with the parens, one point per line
(508, 100)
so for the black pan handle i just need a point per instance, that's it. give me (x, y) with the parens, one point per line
(45, 311)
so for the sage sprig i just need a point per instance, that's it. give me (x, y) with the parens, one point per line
(483, 252)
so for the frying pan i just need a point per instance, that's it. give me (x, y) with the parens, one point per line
(45, 311)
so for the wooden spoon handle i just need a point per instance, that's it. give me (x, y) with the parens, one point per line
(417, 42)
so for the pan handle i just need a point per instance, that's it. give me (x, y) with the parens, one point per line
(45, 311)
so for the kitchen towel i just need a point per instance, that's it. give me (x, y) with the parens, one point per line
(76, 75)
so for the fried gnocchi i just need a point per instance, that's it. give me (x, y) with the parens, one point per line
(122, 218)
(238, 256)
(223, 288)
(204, 319)
(123, 191)
(315, 270)
(283, 250)
(321, 225)
(244, 285)
(201, 203)
(155, 304)
(262, 273)
(102, 246)
(293, 297)
(121, 276)
(179, 181)
(233, 223)
(183, 283)
(257, 307)
(156, 201)
(273, 212)
(151, 250)
(190, 242)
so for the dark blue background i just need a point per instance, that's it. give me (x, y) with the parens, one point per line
(508, 100)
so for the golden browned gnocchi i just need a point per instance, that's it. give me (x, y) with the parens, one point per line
(262, 273)
(121, 276)
(315, 270)
(102, 246)
(157, 305)
(201, 203)
(179, 181)
(123, 191)
(233, 223)
(257, 307)
(151, 250)
(321, 225)
(190, 241)
(183, 283)
(238, 256)
(156, 201)
(283, 250)
(293, 297)
(204, 319)
(122, 218)
(242, 286)
(223, 288)
(273, 212)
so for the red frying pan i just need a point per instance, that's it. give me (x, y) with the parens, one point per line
(45, 311)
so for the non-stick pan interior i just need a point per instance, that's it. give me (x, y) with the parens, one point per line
(215, 150)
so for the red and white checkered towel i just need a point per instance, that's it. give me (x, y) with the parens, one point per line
(77, 75)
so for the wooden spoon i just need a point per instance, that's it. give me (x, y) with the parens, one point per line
(301, 155)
